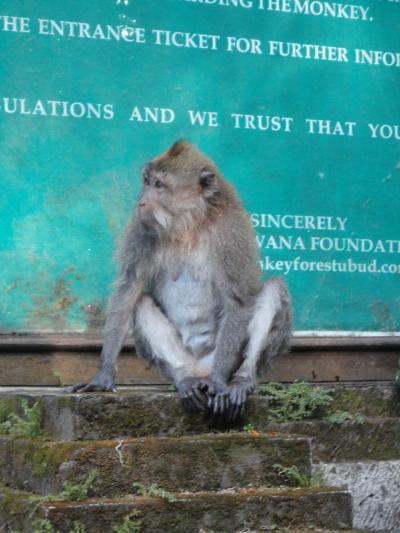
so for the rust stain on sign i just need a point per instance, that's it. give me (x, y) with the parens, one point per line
(383, 316)
(53, 302)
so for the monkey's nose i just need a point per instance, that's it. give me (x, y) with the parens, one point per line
(142, 204)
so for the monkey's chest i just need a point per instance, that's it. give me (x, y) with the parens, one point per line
(190, 303)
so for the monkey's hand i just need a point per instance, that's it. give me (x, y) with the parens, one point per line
(101, 382)
(217, 397)
(239, 390)
(190, 394)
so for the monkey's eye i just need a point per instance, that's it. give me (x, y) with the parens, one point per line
(158, 184)
(146, 181)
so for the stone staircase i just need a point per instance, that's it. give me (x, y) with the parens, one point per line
(155, 469)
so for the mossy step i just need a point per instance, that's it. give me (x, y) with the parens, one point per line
(368, 399)
(375, 438)
(145, 411)
(207, 462)
(248, 509)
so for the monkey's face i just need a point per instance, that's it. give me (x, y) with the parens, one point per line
(169, 201)
(149, 207)
(179, 188)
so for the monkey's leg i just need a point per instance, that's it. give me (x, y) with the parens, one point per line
(159, 341)
(119, 321)
(269, 333)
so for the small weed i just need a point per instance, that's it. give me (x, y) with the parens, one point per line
(59, 378)
(298, 401)
(338, 417)
(70, 492)
(294, 478)
(44, 526)
(154, 490)
(251, 430)
(4, 411)
(27, 425)
(78, 491)
(78, 528)
(292, 475)
(129, 525)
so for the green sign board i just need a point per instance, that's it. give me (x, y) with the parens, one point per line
(296, 100)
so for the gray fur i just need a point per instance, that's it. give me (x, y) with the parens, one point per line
(191, 249)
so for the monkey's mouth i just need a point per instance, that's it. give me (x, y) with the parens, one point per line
(147, 220)
(154, 217)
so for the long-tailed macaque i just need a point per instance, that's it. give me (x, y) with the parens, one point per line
(190, 286)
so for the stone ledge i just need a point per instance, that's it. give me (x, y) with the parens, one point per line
(204, 462)
(191, 512)
(50, 359)
(58, 367)
(157, 411)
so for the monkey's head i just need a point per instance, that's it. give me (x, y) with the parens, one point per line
(181, 187)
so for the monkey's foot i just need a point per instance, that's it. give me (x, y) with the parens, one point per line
(92, 386)
(217, 398)
(239, 391)
(190, 394)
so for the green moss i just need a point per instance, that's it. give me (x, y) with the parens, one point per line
(58, 377)
(13, 502)
(5, 411)
(374, 439)
(66, 401)
(371, 400)
(78, 528)
(138, 415)
(338, 417)
(27, 425)
(44, 458)
(43, 525)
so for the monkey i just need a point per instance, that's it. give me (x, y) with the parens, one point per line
(190, 287)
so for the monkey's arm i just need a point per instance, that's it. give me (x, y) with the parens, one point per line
(121, 306)
(119, 321)
(239, 281)
(230, 340)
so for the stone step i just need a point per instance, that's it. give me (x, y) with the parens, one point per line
(157, 411)
(225, 511)
(207, 462)
(376, 438)
(154, 412)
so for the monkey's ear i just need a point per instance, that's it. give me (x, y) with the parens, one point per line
(177, 148)
(207, 177)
